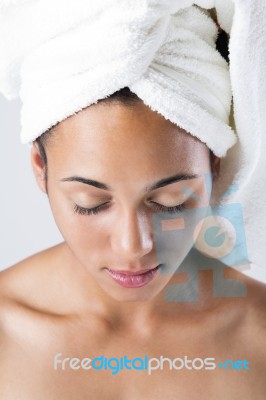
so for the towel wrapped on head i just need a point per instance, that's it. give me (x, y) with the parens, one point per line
(163, 52)
(60, 56)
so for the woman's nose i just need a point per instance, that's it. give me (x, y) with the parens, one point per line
(132, 236)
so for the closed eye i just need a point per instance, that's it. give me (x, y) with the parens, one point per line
(158, 207)
(171, 210)
(89, 211)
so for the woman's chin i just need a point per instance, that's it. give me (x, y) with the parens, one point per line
(134, 294)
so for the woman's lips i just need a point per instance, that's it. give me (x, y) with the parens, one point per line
(133, 279)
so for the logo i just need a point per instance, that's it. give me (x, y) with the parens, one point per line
(201, 237)
(145, 363)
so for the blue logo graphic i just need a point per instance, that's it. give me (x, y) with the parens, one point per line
(146, 363)
(213, 238)
(238, 365)
(201, 238)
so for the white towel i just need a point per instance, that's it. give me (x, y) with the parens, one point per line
(164, 53)
(245, 163)
(60, 56)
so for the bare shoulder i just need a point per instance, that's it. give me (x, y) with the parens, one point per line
(30, 321)
(257, 295)
(255, 329)
(21, 280)
(26, 290)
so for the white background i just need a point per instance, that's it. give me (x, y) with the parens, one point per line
(26, 221)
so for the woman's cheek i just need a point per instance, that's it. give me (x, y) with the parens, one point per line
(77, 230)
(174, 236)
(84, 231)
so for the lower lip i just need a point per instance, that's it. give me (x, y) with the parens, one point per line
(133, 281)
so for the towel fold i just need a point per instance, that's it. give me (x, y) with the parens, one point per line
(164, 51)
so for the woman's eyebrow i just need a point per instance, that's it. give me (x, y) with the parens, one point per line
(171, 179)
(87, 181)
(156, 185)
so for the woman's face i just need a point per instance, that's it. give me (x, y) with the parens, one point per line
(118, 178)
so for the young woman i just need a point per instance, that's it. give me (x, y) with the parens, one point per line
(127, 307)
(107, 171)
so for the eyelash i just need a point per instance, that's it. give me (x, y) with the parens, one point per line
(88, 211)
(93, 211)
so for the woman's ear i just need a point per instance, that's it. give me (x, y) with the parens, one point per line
(38, 167)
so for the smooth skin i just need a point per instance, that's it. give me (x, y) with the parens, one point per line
(61, 300)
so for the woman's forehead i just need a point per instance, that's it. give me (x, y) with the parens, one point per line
(117, 144)
(119, 126)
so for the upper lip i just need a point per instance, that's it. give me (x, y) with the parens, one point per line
(127, 272)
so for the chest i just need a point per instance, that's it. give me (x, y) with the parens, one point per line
(159, 383)
(73, 362)
(126, 369)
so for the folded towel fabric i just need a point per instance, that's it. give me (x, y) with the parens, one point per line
(164, 52)
(61, 56)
